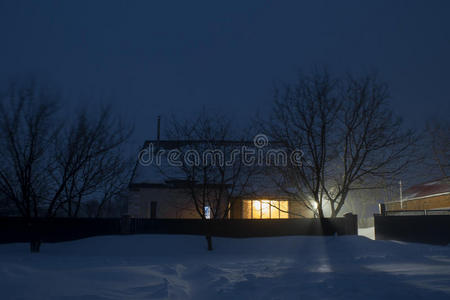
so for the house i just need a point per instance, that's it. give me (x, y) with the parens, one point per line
(430, 195)
(160, 188)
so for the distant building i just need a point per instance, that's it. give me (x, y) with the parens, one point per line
(425, 196)
(161, 191)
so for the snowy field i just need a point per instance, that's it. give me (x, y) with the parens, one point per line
(179, 267)
(367, 232)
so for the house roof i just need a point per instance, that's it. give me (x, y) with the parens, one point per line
(427, 189)
(165, 175)
(163, 172)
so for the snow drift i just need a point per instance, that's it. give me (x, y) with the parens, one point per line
(180, 267)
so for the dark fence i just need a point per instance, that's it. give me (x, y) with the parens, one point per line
(431, 228)
(63, 229)
(347, 225)
(17, 229)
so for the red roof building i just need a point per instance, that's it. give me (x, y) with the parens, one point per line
(425, 196)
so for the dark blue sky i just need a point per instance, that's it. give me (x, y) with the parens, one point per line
(158, 57)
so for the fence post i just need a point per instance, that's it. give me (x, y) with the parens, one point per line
(351, 224)
(382, 208)
(125, 224)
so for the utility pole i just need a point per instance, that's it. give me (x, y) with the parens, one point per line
(401, 194)
(158, 132)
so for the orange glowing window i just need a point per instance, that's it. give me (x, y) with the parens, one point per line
(247, 210)
(265, 209)
(256, 211)
(284, 210)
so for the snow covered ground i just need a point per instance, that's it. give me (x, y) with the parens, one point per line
(367, 232)
(180, 267)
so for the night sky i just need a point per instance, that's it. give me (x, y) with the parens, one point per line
(162, 57)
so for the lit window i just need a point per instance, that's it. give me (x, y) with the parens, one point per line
(284, 209)
(265, 209)
(256, 214)
(247, 210)
(275, 209)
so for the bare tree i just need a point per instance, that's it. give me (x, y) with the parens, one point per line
(346, 132)
(438, 135)
(28, 127)
(51, 167)
(215, 175)
(89, 164)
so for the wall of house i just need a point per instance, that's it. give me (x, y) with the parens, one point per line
(236, 209)
(170, 203)
(176, 203)
(436, 202)
(298, 210)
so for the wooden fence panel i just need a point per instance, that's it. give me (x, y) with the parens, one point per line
(16, 229)
(431, 229)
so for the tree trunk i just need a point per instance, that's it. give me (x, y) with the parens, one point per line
(208, 235)
(35, 246)
(35, 239)
(320, 212)
(209, 241)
